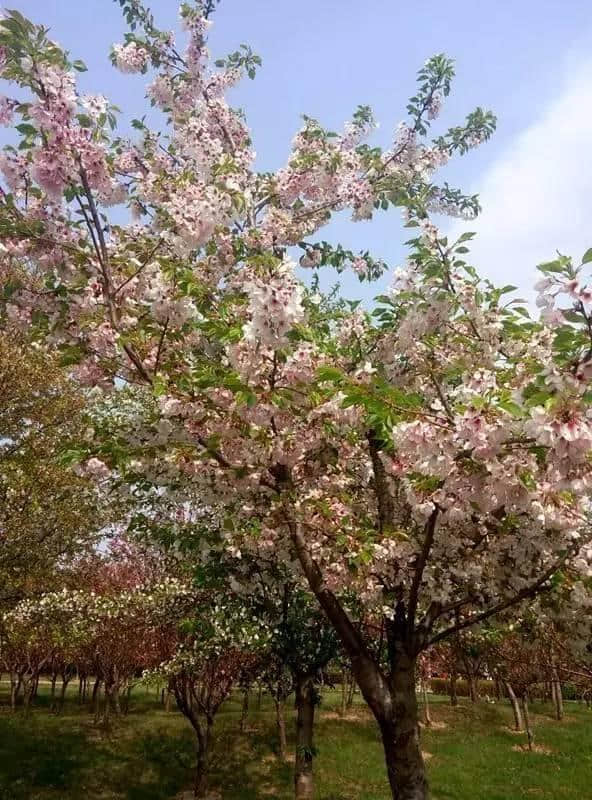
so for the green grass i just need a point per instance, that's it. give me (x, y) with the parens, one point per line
(148, 755)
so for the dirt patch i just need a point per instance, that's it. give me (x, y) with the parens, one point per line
(272, 758)
(536, 748)
(351, 716)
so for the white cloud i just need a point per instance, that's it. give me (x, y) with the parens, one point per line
(537, 194)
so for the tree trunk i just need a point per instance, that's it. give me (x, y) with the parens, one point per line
(305, 710)
(95, 696)
(557, 695)
(128, 697)
(498, 690)
(518, 722)
(391, 699)
(400, 736)
(427, 720)
(473, 691)
(453, 694)
(15, 687)
(62, 698)
(203, 734)
(52, 692)
(529, 735)
(343, 692)
(281, 729)
(259, 696)
(244, 710)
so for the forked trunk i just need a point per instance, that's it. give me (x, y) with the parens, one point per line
(305, 710)
(281, 729)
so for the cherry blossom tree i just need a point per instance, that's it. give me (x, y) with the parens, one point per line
(430, 457)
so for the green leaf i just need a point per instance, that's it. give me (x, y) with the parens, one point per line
(587, 257)
(511, 407)
(331, 374)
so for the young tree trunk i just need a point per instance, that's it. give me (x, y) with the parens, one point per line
(62, 698)
(427, 719)
(244, 710)
(518, 722)
(351, 690)
(498, 690)
(473, 691)
(343, 692)
(203, 735)
(305, 710)
(15, 687)
(453, 694)
(281, 729)
(259, 696)
(557, 695)
(52, 692)
(96, 700)
(529, 735)
(27, 693)
(127, 700)
(168, 698)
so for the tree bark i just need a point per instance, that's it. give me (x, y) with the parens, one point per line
(305, 710)
(15, 687)
(518, 722)
(62, 698)
(473, 691)
(343, 692)
(244, 710)
(453, 694)
(52, 691)
(203, 735)
(427, 720)
(391, 699)
(281, 729)
(557, 695)
(400, 736)
(529, 735)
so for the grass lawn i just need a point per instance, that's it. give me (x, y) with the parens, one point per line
(471, 755)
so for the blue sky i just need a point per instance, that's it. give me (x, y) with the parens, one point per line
(527, 60)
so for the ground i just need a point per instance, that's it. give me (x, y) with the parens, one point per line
(470, 751)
